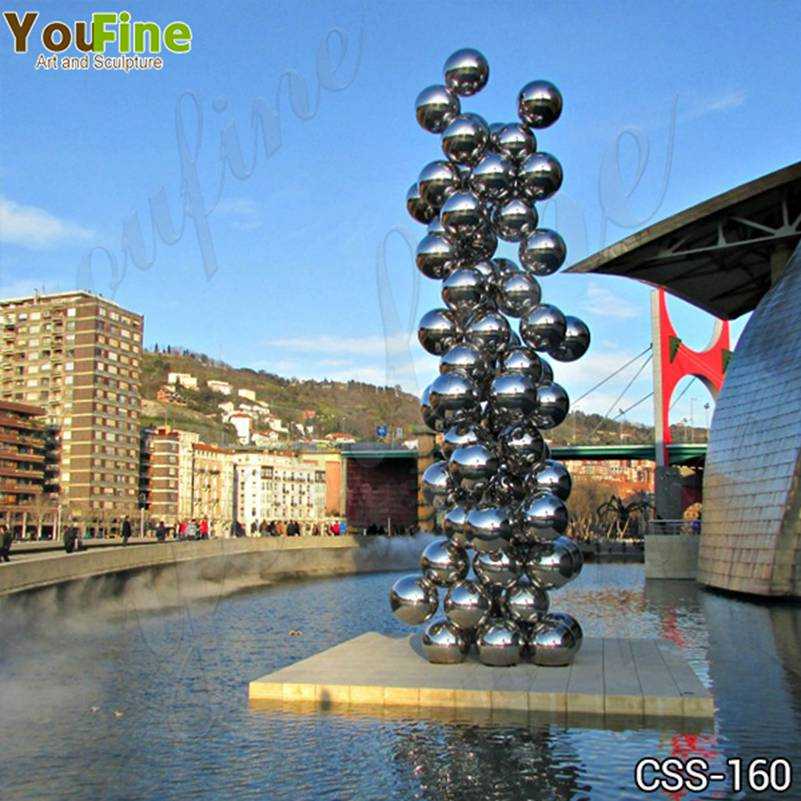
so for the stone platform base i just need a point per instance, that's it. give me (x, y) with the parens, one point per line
(633, 678)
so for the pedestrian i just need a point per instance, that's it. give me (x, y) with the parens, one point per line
(204, 529)
(161, 531)
(126, 530)
(6, 538)
(263, 531)
(191, 529)
(182, 527)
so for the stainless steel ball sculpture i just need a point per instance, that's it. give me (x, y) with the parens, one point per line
(499, 497)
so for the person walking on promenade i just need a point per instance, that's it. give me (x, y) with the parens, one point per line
(204, 529)
(6, 538)
(161, 532)
(126, 530)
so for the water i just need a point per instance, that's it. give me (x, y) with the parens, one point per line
(125, 705)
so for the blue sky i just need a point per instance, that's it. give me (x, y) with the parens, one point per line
(313, 271)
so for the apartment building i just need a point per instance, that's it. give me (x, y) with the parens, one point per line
(78, 356)
(22, 464)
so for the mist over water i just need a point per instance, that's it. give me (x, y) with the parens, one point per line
(131, 688)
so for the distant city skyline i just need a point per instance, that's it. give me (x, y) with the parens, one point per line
(297, 287)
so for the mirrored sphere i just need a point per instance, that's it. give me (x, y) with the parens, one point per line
(438, 180)
(492, 178)
(505, 488)
(522, 360)
(467, 605)
(514, 142)
(551, 476)
(443, 563)
(522, 446)
(489, 529)
(437, 331)
(454, 525)
(460, 436)
(539, 176)
(481, 245)
(453, 398)
(553, 405)
(500, 643)
(488, 331)
(465, 139)
(555, 564)
(463, 290)
(542, 517)
(417, 208)
(413, 600)
(575, 342)
(551, 643)
(512, 396)
(466, 72)
(514, 220)
(525, 602)
(543, 328)
(435, 107)
(465, 359)
(497, 568)
(571, 623)
(517, 294)
(436, 256)
(543, 252)
(471, 467)
(462, 215)
(435, 484)
(546, 374)
(539, 104)
(425, 412)
(444, 644)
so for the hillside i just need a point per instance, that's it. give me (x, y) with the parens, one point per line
(351, 407)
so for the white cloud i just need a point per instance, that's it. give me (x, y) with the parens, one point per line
(243, 213)
(34, 228)
(726, 101)
(606, 303)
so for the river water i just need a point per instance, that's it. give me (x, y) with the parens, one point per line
(123, 704)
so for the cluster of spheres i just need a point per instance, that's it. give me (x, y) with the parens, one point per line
(499, 497)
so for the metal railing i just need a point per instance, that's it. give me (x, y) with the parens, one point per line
(673, 527)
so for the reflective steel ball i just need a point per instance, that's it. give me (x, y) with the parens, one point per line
(493, 178)
(539, 104)
(571, 623)
(465, 359)
(489, 529)
(554, 565)
(454, 525)
(413, 600)
(543, 328)
(514, 142)
(465, 139)
(512, 396)
(500, 643)
(505, 488)
(522, 446)
(466, 72)
(467, 605)
(462, 215)
(575, 342)
(517, 294)
(462, 435)
(542, 518)
(488, 331)
(436, 256)
(453, 398)
(497, 568)
(480, 245)
(546, 372)
(436, 484)
(539, 176)
(543, 252)
(417, 208)
(437, 331)
(471, 467)
(443, 563)
(438, 180)
(435, 107)
(525, 602)
(444, 644)
(514, 220)
(463, 290)
(522, 360)
(553, 405)
(552, 643)
(551, 476)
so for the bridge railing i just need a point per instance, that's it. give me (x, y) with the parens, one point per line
(673, 527)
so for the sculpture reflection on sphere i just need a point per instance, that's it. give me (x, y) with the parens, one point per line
(497, 498)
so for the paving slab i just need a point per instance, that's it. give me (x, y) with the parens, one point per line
(634, 679)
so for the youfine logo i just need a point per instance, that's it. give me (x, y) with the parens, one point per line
(108, 40)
